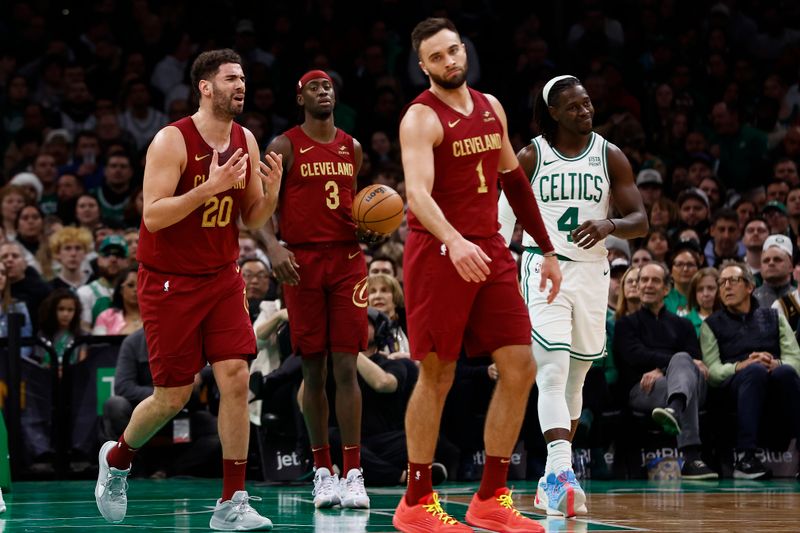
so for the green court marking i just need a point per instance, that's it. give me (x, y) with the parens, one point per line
(186, 504)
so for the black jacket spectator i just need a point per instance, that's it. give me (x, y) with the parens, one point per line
(666, 333)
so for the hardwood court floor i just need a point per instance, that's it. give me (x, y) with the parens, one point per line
(185, 505)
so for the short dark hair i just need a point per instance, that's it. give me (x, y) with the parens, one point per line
(207, 65)
(428, 28)
(383, 257)
(724, 213)
(541, 116)
(666, 277)
(757, 218)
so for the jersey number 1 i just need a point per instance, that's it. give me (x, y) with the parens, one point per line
(568, 222)
(482, 188)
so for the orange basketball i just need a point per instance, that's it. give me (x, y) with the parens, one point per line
(378, 208)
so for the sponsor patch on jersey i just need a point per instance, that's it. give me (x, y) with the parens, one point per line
(343, 150)
(595, 161)
(488, 117)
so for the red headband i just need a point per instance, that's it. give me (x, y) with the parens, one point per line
(312, 75)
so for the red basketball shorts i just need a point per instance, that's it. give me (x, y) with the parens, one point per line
(443, 311)
(191, 320)
(328, 308)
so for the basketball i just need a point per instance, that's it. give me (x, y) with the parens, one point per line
(378, 208)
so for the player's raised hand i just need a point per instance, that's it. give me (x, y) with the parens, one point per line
(591, 232)
(270, 170)
(223, 177)
(284, 265)
(551, 271)
(471, 263)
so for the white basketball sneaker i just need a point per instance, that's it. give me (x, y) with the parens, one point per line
(111, 491)
(352, 493)
(326, 489)
(236, 514)
(540, 501)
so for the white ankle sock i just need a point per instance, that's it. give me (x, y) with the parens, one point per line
(559, 456)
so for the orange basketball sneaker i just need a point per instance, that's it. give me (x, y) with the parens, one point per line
(426, 517)
(499, 514)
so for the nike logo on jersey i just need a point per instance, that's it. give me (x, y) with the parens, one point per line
(198, 157)
(304, 150)
(348, 448)
(350, 256)
(605, 272)
(545, 163)
(453, 124)
(505, 461)
(239, 463)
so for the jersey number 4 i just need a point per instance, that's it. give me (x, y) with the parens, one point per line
(568, 222)
(217, 213)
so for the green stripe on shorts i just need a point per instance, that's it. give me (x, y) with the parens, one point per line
(547, 345)
(535, 250)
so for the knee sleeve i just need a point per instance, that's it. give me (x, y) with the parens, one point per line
(574, 390)
(551, 379)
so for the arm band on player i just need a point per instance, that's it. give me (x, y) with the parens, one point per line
(523, 202)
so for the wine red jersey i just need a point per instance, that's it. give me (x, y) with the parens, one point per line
(465, 166)
(207, 239)
(317, 192)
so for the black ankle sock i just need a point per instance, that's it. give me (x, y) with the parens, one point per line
(677, 403)
(691, 453)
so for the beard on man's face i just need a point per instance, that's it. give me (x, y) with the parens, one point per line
(452, 83)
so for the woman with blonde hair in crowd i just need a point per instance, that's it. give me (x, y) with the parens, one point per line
(628, 301)
(386, 295)
(703, 296)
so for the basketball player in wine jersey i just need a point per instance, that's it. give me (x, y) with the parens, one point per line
(202, 174)
(461, 281)
(324, 275)
(573, 172)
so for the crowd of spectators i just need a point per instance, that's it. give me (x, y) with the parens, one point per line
(702, 97)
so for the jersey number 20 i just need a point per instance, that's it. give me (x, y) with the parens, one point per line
(217, 212)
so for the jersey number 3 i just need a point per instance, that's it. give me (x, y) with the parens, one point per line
(217, 212)
(332, 200)
(568, 222)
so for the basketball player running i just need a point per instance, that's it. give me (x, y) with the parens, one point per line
(324, 273)
(461, 280)
(573, 172)
(202, 173)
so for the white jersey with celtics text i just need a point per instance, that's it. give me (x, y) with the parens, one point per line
(570, 191)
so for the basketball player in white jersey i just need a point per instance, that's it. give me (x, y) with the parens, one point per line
(573, 172)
